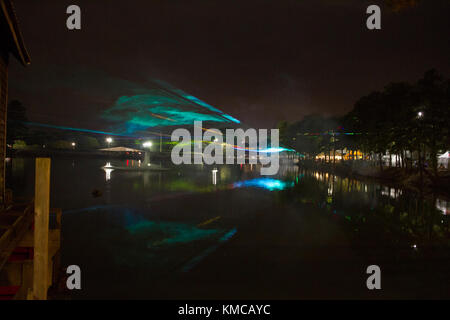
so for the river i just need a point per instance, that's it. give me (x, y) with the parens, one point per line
(226, 232)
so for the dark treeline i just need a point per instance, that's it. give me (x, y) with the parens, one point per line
(407, 122)
(37, 140)
(21, 136)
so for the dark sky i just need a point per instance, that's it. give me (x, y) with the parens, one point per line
(260, 61)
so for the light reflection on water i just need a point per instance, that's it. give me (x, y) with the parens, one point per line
(119, 185)
(150, 220)
(170, 232)
(400, 217)
(267, 183)
(264, 183)
(349, 185)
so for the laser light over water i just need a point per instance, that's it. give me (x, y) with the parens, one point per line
(160, 106)
(268, 184)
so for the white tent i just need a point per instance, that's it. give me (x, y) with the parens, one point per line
(121, 149)
(443, 160)
(445, 155)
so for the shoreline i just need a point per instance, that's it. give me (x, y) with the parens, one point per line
(408, 179)
(88, 154)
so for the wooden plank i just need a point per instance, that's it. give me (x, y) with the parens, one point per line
(41, 225)
(14, 233)
(27, 280)
(3, 108)
(54, 240)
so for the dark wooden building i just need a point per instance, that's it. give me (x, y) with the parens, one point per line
(11, 44)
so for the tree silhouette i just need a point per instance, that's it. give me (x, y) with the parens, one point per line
(406, 120)
(16, 118)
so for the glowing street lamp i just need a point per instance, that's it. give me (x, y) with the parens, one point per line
(420, 114)
(109, 140)
(147, 144)
(73, 145)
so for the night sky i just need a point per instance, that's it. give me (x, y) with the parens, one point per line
(257, 60)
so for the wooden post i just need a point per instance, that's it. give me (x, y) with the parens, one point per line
(41, 225)
(3, 117)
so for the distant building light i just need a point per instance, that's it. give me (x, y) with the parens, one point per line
(147, 144)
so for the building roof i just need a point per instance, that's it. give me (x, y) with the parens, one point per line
(10, 28)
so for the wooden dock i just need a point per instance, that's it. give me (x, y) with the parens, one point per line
(17, 250)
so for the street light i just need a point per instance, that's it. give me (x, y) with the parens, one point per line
(420, 114)
(73, 145)
(147, 144)
(109, 140)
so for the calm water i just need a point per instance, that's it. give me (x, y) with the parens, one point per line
(137, 233)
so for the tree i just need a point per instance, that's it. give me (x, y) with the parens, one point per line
(86, 142)
(400, 118)
(283, 128)
(16, 118)
(434, 105)
(60, 144)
